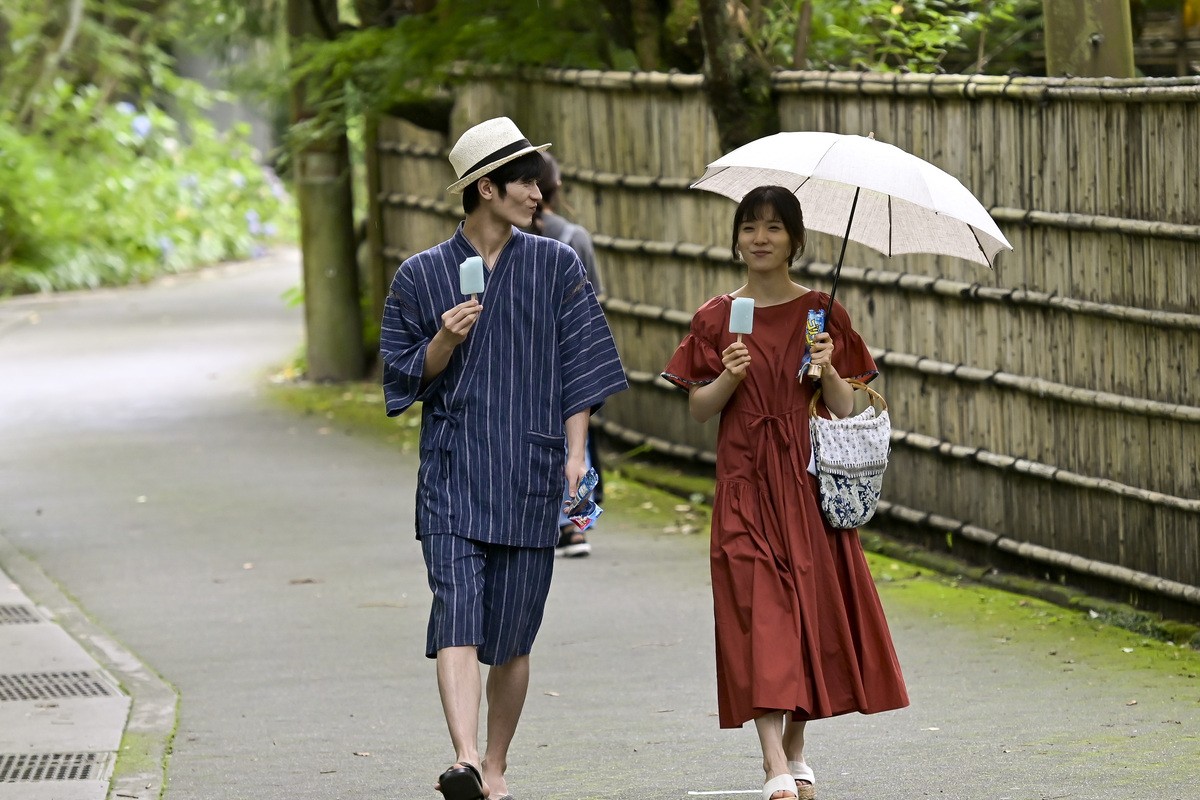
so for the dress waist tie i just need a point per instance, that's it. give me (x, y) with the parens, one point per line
(777, 467)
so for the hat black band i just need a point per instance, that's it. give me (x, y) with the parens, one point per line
(507, 150)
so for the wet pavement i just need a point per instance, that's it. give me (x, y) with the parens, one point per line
(261, 566)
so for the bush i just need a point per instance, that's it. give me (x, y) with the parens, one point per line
(112, 194)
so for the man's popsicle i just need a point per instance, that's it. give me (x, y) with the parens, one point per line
(470, 276)
(741, 316)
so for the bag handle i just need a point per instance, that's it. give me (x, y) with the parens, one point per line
(854, 384)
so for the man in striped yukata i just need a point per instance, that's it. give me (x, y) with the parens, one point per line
(507, 382)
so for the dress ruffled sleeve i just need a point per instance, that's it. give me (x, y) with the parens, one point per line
(851, 358)
(697, 361)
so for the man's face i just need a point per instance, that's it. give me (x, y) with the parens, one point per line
(519, 202)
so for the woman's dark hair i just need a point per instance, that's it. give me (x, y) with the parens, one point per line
(526, 168)
(765, 202)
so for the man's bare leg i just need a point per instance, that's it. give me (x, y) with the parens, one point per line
(507, 685)
(459, 686)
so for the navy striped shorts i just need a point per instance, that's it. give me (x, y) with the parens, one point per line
(487, 596)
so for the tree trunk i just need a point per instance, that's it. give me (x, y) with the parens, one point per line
(378, 278)
(332, 310)
(647, 31)
(738, 89)
(803, 30)
(1093, 40)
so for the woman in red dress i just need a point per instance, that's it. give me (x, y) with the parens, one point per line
(800, 632)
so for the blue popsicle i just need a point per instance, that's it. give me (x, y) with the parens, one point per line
(470, 276)
(741, 316)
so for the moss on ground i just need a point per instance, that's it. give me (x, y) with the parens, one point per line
(647, 493)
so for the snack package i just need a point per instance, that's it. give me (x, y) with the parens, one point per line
(815, 325)
(583, 518)
(581, 509)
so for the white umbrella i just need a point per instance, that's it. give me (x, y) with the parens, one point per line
(871, 192)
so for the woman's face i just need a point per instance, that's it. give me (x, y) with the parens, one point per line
(764, 244)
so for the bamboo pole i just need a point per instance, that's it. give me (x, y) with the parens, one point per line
(1026, 550)
(999, 461)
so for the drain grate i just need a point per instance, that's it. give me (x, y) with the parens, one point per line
(52, 685)
(23, 768)
(13, 615)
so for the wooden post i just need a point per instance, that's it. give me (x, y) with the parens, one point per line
(332, 310)
(378, 280)
(1088, 40)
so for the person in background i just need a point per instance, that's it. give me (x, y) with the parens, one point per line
(572, 542)
(506, 382)
(800, 631)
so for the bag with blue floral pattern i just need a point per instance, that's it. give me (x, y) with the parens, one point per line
(851, 455)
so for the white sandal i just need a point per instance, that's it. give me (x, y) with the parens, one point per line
(803, 772)
(780, 783)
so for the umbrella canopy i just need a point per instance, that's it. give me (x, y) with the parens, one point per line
(867, 191)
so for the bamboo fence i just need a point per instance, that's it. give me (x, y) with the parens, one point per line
(1047, 412)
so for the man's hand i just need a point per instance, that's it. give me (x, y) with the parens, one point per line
(574, 471)
(456, 324)
(458, 321)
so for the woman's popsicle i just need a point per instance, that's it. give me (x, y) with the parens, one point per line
(470, 276)
(741, 316)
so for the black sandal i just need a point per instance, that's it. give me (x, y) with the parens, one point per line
(461, 782)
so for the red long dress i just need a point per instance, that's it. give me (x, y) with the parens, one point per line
(799, 626)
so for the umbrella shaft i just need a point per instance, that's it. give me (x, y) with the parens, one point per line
(837, 270)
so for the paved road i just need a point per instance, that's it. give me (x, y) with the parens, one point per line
(263, 564)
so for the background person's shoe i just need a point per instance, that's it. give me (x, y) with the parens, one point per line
(572, 543)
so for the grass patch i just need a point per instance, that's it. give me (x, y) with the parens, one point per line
(354, 407)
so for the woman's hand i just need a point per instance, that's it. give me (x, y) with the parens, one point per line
(821, 351)
(736, 359)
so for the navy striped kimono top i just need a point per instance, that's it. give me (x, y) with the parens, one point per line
(493, 445)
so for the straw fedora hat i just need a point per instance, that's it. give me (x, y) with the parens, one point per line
(486, 146)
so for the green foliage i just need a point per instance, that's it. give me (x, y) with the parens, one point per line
(417, 58)
(98, 190)
(908, 35)
(114, 195)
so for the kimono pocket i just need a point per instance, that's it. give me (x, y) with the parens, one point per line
(545, 457)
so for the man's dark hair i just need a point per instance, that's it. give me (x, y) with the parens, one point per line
(765, 202)
(526, 168)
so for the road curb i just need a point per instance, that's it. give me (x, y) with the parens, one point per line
(140, 771)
